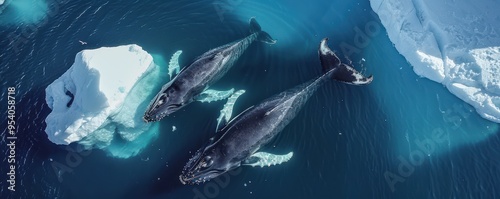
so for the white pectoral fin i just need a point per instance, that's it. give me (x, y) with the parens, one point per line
(213, 95)
(263, 159)
(173, 65)
(227, 111)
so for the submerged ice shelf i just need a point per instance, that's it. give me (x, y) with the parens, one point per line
(453, 43)
(2, 6)
(24, 12)
(99, 101)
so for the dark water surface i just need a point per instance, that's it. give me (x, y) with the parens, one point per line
(346, 140)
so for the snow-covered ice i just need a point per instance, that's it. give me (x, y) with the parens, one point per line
(100, 99)
(456, 43)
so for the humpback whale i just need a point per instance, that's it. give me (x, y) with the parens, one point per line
(191, 82)
(238, 142)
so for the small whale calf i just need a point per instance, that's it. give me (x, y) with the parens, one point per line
(238, 141)
(192, 81)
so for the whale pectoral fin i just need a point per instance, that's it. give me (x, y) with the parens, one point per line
(266, 159)
(227, 111)
(210, 95)
(173, 65)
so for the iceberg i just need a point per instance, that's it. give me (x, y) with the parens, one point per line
(455, 43)
(100, 99)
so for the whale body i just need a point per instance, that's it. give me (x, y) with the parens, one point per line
(238, 142)
(204, 71)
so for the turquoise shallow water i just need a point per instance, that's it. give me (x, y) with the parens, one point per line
(347, 141)
(23, 11)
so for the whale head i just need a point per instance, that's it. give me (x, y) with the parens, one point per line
(204, 166)
(167, 101)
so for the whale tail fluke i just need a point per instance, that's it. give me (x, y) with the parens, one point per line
(340, 71)
(254, 26)
(349, 75)
(261, 36)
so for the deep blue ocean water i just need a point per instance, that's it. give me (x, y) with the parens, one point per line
(346, 141)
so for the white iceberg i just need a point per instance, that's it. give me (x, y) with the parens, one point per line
(456, 43)
(99, 101)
